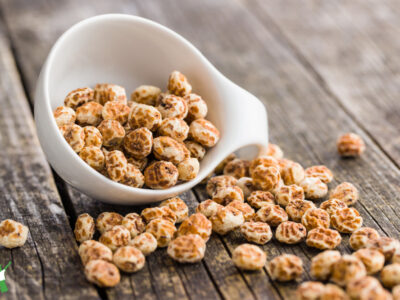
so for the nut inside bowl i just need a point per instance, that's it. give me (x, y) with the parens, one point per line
(130, 51)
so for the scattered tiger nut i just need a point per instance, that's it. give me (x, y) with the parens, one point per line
(166, 148)
(107, 220)
(259, 199)
(139, 143)
(197, 107)
(64, 115)
(93, 156)
(161, 175)
(163, 230)
(89, 113)
(363, 237)
(204, 132)
(92, 250)
(321, 172)
(332, 291)
(390, 275)
(322, 264)
(84, 228)
(297, 208)
(332, 205)
(314, 188)
(75, 137)
(143, 115)
(289, 232)
(285, 267)
(346, 220)
(78, 97)
(271, 214)
(310, 290)
(372, 259)
(102, 273)
(237, 168)
(219, 182)
(12, 234)
(249, 257)
(266, 178)
(116, 237)
(347, 268)
(388, 246)
(246, 184)
(256, 232)
(263, 160)
(178, 84)
(129, 259)
(145, 242)
(134, 223)
(146, 94)
(208, 208)
(188, 169)
(117, 111)
(117, 165)
(315, 217)
(220, 168)
(104, 92)
(274, 151)
(174, 128)
(247, 210)
(164, 212)
(133, 177)
(345, 192)
(187, 248)
(286, 193)
(361, 288)
(350, 145)
(112, 131)
(93, 136)
(178, 206)
(196, 224)
(138, 163)
(323, 238)
(225, 195)
(226, 219)
(293, 174)
(196, 150)
(171, 106)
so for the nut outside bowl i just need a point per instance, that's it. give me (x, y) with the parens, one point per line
(130, 51)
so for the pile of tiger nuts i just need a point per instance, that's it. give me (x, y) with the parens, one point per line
(163, 135)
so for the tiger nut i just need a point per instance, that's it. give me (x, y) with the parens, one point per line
(178, 206)
(178, 84)
(145, 242)
(226, 219)
(274, 151)
(315, 217)
(208, 207)
(265, 178)
(92, 250)
(363, 237)
(129, 259)
(112, 132)
(297, 208)
(361, 288)
(345, 192)
(93, 156)
(107, 220)
(139, 143)
(347, 268)
(104, 92)
(220, 167)
(285, 267)
(196, 224)
(247, 211)
(372, 259)
(271, 214)
(256, 232)
(166, 148)
(146, 94)
(285, 194)
(89, 113)
(266, 161)
(388, 246)
(332, 291)
(164, 212)
(78, 97)
(323, 238)
(171, 106)
(219, 182)
(117, 111)
(293, 174)
(322, 264)
(116, 237)
(93, 136)
(332, 205)
(64, 115)
(161, 175)
(204, 132)
(249, 257)
(187, 248)
(133, 177)
(289, 232)
(102, 273)
(321, 172)
(246, 184)
(259, 199)
(197, 107)
(117, 165)
(310, 290)
(75, 137)
(188, 169)
(174, 128)
(12, 234)
(237, 168)
(134, 223)
(390, 275)
(346, 220)
(350, 145)
(314, 188)
(163, 230)
(143, 115)
(84, 228)
(225, 195)
(196, 150)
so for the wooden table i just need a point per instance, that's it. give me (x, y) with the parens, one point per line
(321, 68)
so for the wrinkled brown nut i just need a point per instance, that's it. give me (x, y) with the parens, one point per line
(166, 148)
(161, 175)
(104, 92)
(388, 246)
(75, 137)
(93, 156)
(178, 84)
(188, 169)
(92, 250)
(246, 184)
(347, 268)
(84, 228)
(219, 182)
(143, 115)
(345, 192)
(321, 172)
(133, 177)
(363, 237)
(390, 275)
(265, 178)
(247, 211)
(117, 165)
(249, 257)
(285, 194)
(138, 143)
(290, 232)
(197, 107)
(171, 106)
(332, 205)
(93, 136)
(274, 151)
(208, 208)
(204, 132)
(12, 234)
(117, 111)
(89, 114)
(266, 161)
(141, 163)
(174, 128)
(256, 232)
(322, 264)
(285, 267)
(310, 290)
(315, 217)
(116, 237)
(134, 223)
(112, 131)
(102, 273)
(314, 188)
(362, 288)
(163, 230)
(293, 174)
(78, 97)
(259, 199)
(64, 115)
(225, 195)
(129, 259)
(164, 212)
(346, 220)
(332, 291)
(372, 259)
(196, 150)
(297, 208)
(178, 206)
(271, 214)
(146, 94)
(237, 168)
(145, 242)
(350, 145)
(323, 238)
(107, 220)
(226, 219)
(187, 248)
(196, 224)
(220, 168)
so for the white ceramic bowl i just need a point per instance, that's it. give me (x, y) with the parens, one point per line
(131, 51)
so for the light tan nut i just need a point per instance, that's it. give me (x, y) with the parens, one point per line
(388, 246)
(322, 264)
(332, 291)
(249, 257)
(289, 232)
(315, 217)
(178, 84)
(75, 137)
(166, 148)
(396, 293)
(134, 223)
(93, 136)
(259, 199)
(92, 250)
(266, 178)
(171, 106)
(362, 288)
(237, 168)
(286, 193)
(246, 184)
(178, 206)
(293, 174)
(225, 195)
(226, 219)
(117, 165)
(93, 156)
(218, 182)
(187, 248)
(64, 115)
(310, 290)
(12, 234)
(145, 242)
(208, 208)
(363, 237)
(174, 128)
(133, 177)
(78, 97)
(321, 172)
(107, 220)
(196, 224)
(164, 212)
(274, 151)
(256, 232)
(146, 94)
(102, 273)
(347, 268)
(297, 208)
(350, 145)
(323, 238)
(332, 205)
(314, 188)
(247, 210)
(163, 230)
(372, 259)
(188, 169)
(141, 163)
(104, 92)
(196, 150)
(346, 220)
(112, 131)
(345, 192)
(143, 115)
(390, 275)
(139, 143)
(117, 111)
(271, 214)
(197, 107)
(161, 175)
(84, 228)
(116, 237)
(263, 160)
(285, 267)
(204, 132)
(89, 113)
(220, 168)
(129, 259)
